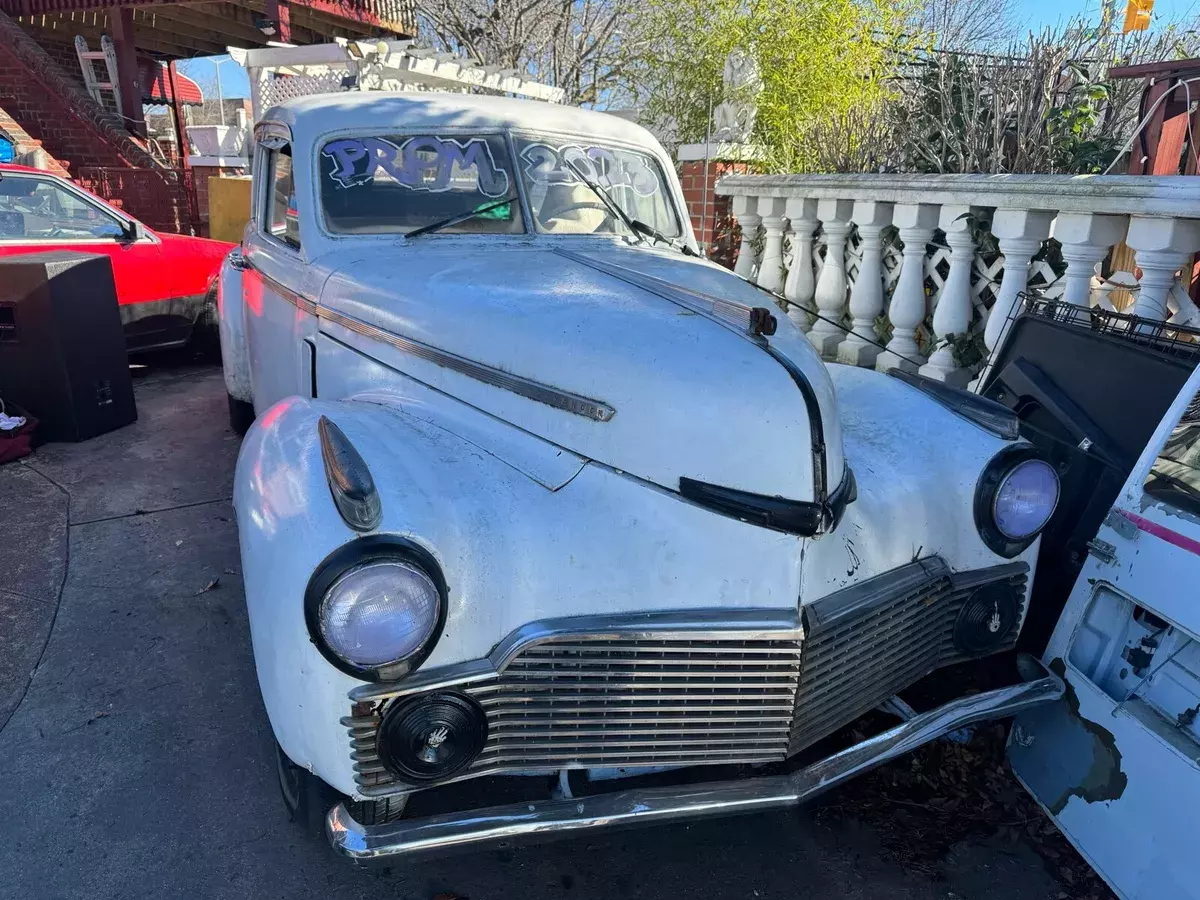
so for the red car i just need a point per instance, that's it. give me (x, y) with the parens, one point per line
(165, 282)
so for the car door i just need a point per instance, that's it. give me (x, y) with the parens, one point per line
(281, 290)
(43, 212)
(1117, 762)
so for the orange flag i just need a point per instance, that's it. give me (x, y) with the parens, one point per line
(1137, 15)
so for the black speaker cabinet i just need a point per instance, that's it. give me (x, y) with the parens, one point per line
(62, 347)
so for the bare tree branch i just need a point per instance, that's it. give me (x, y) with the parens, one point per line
(571, 44)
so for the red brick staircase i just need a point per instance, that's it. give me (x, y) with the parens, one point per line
(42, 106)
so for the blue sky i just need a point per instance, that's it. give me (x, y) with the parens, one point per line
(234, 82)
(1030, 14)
(1039, 13)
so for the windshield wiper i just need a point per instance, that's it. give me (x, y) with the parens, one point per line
(459, 217)
(638, 227)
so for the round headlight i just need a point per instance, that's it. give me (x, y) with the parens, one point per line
(379, 614)
(375, 607)
(1025, 499)
(1014, 499)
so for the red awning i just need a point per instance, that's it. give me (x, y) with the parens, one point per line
(156, 86)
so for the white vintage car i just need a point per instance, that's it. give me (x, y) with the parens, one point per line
(535, 494)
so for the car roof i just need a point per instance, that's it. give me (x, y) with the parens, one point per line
(28, 170)
(420, 110)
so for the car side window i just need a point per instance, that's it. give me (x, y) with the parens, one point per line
(283, 221)
(41, 209)
(1175, 476)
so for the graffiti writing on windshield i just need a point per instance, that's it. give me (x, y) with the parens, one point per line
(424, 163)
(544, 164)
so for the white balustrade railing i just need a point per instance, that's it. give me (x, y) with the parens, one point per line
(961, 248)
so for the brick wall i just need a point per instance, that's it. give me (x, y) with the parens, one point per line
(42, 96)
(712, 216)
(48, 101)
(158, 197)
(25, 144)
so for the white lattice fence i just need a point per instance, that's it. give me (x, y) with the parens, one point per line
(987, 271)
(277, 87)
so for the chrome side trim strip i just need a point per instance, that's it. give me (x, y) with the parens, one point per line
(595, 410)
(735, 316)
(532, 390)
(738, 624)
(548, 820)
(299, 301)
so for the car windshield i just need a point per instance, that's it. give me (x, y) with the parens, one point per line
(562, 202)
(1175, 475)
(41, 209)
(397, 184)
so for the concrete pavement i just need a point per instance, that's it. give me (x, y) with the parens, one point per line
(135, 761)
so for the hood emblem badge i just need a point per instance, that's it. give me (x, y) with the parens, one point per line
(762, 322)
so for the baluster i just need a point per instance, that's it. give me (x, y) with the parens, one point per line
(830, 293)
(952, 315)
(745, 211)
(1020, 233)
(916, 222)
(1184, 311)
(1162, 246)
(860, 348)
(800, 285)
(770, 270)
(1085, 239)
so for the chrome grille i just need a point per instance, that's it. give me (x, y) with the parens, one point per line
(652, 691)
(578, 700)
(605, 703)
(869, 643)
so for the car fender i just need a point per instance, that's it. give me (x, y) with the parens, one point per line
(512, 551)
(231, 323)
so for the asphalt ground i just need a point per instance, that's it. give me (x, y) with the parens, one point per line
(135, 754)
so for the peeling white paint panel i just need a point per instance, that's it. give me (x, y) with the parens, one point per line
(1117, 762)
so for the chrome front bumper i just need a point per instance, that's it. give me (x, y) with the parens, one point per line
(552, 819)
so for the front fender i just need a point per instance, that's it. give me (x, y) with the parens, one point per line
(512, 549)
(231, 323)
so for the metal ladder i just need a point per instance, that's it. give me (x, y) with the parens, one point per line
(87, 58)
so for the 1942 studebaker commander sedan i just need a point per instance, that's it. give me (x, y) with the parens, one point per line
(535, 493)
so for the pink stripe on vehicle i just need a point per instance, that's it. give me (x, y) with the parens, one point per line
(1161, 531)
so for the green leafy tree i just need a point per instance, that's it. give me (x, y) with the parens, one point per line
(819, 60)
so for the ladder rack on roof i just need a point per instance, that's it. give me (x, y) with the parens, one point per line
(282, 73)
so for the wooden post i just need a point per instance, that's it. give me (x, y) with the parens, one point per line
(127, 71)
(285, 22)
(189, 186)
(279, 12)
(1145, 146)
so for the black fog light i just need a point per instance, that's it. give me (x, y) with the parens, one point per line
(432, 737)
(986, 620)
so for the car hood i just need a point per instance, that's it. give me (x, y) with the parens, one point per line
(682, 388)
